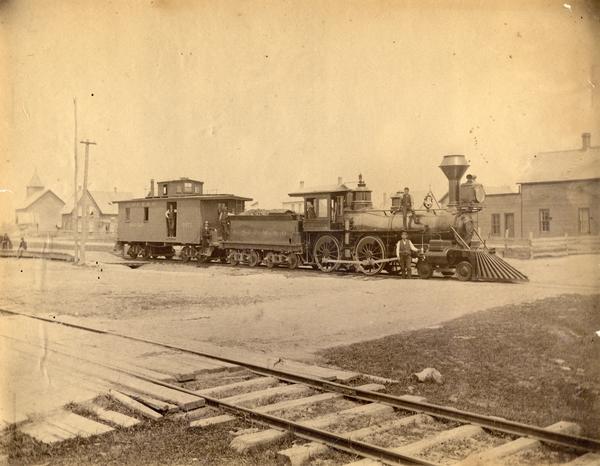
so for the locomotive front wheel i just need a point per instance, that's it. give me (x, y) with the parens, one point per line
(292, 261)
(370, 248)
(253, 259)
(327, 247)
(425, 270)
(464, 271)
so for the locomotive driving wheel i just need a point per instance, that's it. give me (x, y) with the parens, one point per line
(327, 247)
(370, 248)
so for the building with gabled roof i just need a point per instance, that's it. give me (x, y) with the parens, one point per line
(103, 212)
(40, 211)
(559, 194)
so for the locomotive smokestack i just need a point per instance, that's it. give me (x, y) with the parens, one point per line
(454, 167)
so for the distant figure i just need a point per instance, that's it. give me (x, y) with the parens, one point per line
(404, 248)
(6, 242)
(406, 205)
(22, 247)
(310, 210)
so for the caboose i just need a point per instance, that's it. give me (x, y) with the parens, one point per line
(178, 214)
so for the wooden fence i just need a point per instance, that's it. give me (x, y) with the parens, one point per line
(533, 248)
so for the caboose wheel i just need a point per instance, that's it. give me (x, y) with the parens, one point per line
(464, 271)
(145, 252)
(186, 253)
(253, 259)
(133, 251)
(327, 247)
(370, 248)
(425, 270)
(292, 261)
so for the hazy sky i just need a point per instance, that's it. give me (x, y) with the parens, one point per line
(253, 96)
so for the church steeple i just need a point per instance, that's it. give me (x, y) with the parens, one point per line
(35, 184)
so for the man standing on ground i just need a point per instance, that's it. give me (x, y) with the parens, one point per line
(22, 247)
(404, 248)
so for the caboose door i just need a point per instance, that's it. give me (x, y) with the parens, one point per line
(171, 219)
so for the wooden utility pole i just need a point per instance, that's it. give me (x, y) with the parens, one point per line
(74, 212)
(84, 223)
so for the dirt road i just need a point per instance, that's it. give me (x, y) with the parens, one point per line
(279, 312)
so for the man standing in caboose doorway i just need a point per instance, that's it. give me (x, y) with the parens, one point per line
(406, 205)
(404, 249)
(170, 217)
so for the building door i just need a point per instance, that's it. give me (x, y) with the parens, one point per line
(584, 221)
(509, 224)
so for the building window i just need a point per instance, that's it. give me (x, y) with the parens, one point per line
(165, 192)
(127, 214)
(146, 214)
(509, 224)
(187, 187)
(197, 188)
(584, 220)
(545, 220)
(495, 224)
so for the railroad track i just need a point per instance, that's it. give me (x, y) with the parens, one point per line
(360, 420)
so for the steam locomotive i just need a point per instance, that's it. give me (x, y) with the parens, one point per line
(341, 230)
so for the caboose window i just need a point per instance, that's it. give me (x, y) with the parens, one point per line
(545, 220)
(187, 187)
(146, 214)
(127, 214)
(495, 225)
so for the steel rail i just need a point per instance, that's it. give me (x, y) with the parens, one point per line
(337, 441)
(487, 422)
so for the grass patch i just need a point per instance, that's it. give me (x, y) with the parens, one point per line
(535, 363)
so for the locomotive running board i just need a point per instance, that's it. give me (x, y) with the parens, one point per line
(491, 268)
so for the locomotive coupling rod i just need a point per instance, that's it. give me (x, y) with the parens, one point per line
(365, 262)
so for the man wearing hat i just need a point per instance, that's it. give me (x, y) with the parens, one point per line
(404, 248)
(406, 205)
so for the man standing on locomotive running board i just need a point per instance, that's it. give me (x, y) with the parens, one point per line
(404, 248)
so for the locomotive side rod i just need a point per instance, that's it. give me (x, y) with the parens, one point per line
(492, 423)
(365, 262)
